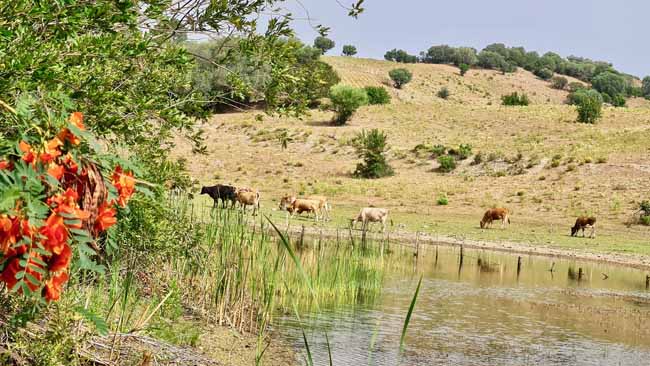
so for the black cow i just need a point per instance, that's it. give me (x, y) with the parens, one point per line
(221, 192)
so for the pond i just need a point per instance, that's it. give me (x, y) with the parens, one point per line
(484, 312)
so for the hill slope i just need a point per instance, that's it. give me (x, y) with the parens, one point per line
(534, 160)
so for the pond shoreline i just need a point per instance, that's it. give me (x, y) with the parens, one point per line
(627, 260)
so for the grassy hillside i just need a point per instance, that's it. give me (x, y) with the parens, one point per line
(534, 160)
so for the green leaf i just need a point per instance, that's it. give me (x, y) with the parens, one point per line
(94, 319)
(408, 315)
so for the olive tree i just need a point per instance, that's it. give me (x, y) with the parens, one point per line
(324, 44)
(400, 77)
(349, 50)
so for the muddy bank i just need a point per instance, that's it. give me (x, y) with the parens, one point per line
(409, 238)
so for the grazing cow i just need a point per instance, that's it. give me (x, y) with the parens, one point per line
(495, 214)
(369, 215)
(298, 205)
(247, 197)
(221, 192)
(582, 223)
(324, 207)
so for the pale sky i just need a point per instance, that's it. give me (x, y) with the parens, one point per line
(610, 30)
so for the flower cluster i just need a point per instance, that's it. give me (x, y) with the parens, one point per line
(35, 254)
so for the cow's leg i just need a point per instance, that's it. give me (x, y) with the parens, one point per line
(593, 232)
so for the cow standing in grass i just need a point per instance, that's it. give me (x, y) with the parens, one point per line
(324, 207)
(495, 214)
(247, 197)
(582, 223)
(299, 205)
(221, 192)
(369, 215)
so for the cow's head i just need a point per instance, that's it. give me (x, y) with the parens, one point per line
(204, 190)
(574, 230)
(286, 201)
(482, 224)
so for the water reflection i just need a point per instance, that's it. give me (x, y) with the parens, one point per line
(488, 314)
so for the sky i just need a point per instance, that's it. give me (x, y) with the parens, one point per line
(614, 30)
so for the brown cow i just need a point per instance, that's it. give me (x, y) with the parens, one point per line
(582, 223)
(495, 214)
(298, 205)
(247, 197)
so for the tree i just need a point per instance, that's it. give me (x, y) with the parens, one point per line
(396, 55)
(400, 77)
(515, 99)
(345, 101)
(575, 86)
(465, 55)
(491, 60)
(646, 86)
(463, 68)
(371, 148)
(498, 48)
(589, 106)
(442, 54)
(324, 44)
(349, 50)
(610, 83)
(377, 95)
(559, 82)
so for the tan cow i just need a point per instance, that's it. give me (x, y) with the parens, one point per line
(369, 215)
(299, 205)
(582, 223)
(324, 207)
(247, 197)
(495, 214)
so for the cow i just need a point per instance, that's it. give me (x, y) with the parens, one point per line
(495, 214)
(221, 192)
(582, 223)
(369, 215)
(299, 205)
(324, 207)
(247, 197)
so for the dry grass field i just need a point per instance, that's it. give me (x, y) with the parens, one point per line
(535, 160)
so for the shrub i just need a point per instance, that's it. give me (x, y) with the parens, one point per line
(438, 150)
(644, 207)
(618, 100)
(544, 73)
(645, 88)
(400, 77)
(576, 97)
(575, 86)
(515, 99)
(442, 200)
(377, 95)
(464, 151)
(371, 148)
(559, 82)
(324, 44)
(345, 101)
(589, 105)
(610, 83)
(463, 69)
(349, 50)
(645, 220)
(443, 93)
(447, 163)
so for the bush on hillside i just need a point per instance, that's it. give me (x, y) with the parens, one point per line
(618, 100)
(463, 68)
(515, 99)
(443, 93)
(577, 96)
(400, 56)
(559, 82)
(645, 88)
(345, 101)
(324, 44)
(491, 60)
(442, 200)
(349, 50)
(400, 77)
(465, 55)
(463, 152)
(575, 86)
(371, 148)
(377, 95)
(544, 73)
(442, 54)
(610, 83)
(447, 163)
(589, 105)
